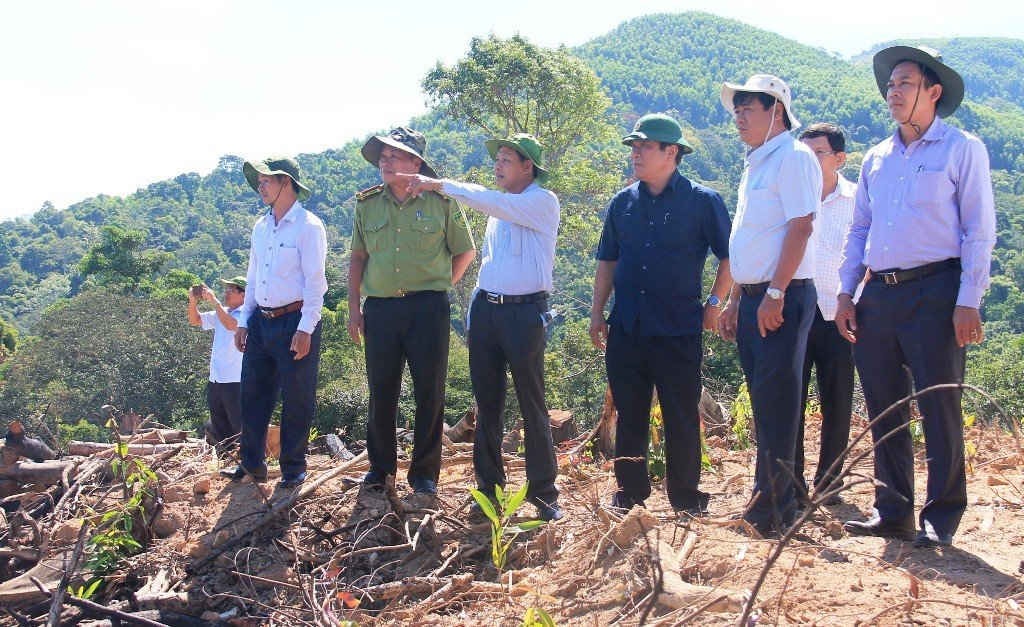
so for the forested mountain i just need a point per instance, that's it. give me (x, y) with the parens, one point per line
(670, 63)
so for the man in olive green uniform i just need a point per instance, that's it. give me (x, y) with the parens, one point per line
(406, 252)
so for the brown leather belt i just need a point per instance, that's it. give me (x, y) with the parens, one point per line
(895, 277)
(276, 312)
(757, 289)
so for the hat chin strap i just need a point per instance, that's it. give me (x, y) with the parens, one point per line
(913, 109)
(771, 125)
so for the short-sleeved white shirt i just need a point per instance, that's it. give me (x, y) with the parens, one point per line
(781, 181)
(225, 359)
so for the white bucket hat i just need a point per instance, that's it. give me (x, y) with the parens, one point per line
(764, 84)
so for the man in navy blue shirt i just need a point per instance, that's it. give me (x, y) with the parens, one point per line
(652, 253)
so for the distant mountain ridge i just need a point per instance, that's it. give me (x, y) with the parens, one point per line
(673, 62)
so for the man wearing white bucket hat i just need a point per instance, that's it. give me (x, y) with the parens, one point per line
(773, 299)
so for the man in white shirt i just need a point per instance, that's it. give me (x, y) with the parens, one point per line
(279, 327)
(507, 315)
(827, 350)
(224, 391)
(773, 299)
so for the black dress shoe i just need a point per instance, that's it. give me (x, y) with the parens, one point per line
(240, 472)
(549, 511)
(925, 540)
(292, 481)
(620, 500)
(879, 527)
(423, 485)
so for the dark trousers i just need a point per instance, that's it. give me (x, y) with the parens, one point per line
(225, 403)
(773, 367)
(269, 365)
(832, 358)
(413, 328)
(510, 336)
(910, 327)
(637, 365)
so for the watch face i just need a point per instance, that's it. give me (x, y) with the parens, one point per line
(774, 293)
(714, 301)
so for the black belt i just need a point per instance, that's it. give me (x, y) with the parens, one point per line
(895, 277)
(757, 289)
(403, 294)
(276, 312)
(507, 299)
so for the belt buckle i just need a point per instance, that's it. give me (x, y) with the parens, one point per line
(889, 278)
(495, 299)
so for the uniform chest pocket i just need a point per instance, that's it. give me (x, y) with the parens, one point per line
(510, 238)
(931, 190)
(427, 233)
(673, 233)
(374, 234)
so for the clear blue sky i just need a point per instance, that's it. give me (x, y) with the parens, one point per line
(108, 96)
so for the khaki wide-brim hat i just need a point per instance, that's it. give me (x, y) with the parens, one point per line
(272, 166)
(404, 139)
(952, 84)
(764, 84)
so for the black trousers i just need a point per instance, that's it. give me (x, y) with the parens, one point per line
(510, 337)
(269, 365)
(832, 358)
(910, 327)
(773, 367)
(225, 403)
(413, 328)
(637, 365)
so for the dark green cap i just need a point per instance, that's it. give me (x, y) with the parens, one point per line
(404, 139)
(272, 166)
(526, 145)
(237, 281)
(658, 127)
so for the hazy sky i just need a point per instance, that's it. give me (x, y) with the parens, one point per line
(108, 96)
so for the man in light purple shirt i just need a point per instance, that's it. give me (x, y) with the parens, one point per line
(924, 226)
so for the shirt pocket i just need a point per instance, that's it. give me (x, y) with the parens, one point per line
(428, 234)
(287, 260)
(374, 233)
(931, 190)
(763, 209)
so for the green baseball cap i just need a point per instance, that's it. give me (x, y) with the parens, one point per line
(272, 166)
(658, 127)
(237, 281)
(526, 145)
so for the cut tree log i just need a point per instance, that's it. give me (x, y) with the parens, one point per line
(21, 589)
(714, 418)
(463, 430)
(156, 436)
(18, 444)
(45, 473)
(563, 427)
(606, 425)
(87, 449)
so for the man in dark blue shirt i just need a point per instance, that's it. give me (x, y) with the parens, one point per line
(652, 252)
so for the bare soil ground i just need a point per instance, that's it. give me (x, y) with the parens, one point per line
(343, 552)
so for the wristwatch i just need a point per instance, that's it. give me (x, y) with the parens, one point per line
(774, 293)
(714, 301)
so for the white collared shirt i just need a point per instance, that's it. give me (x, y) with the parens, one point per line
(287, 263)
(225, 359)
(831, 225)
(518, 252)
(782, 181)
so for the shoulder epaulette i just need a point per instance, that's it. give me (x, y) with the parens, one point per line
(369, 192)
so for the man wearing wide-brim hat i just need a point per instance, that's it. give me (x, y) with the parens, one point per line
(407, 251)
(279, 325)
(224, 389)
(924, 228)
(509, 310)
(652, 253)
(773, 302)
